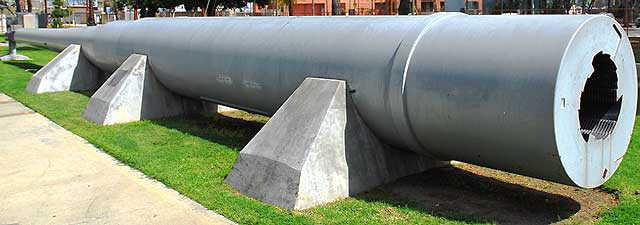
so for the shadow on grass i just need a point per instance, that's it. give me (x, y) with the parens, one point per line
(448, 192)
(27, 48)
(87, 93)
(460, 195)
(25, 65)
(220, 129)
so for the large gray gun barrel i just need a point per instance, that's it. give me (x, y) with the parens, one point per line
(551, 97)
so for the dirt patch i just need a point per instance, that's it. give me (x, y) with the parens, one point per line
(473, 194)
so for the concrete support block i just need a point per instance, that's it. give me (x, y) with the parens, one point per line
(29, 20)
(222, 108)
(132, 93)
(213, 108)
(316, 149)
(69, 71)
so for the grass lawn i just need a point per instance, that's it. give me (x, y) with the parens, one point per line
(194, 155)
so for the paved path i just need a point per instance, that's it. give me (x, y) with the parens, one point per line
(50, 176)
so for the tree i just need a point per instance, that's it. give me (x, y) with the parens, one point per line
(214, 4)
(148, 8)
(59, 11)
(5, 5)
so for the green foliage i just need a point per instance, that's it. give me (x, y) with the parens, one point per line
(59, 11)
(148, 8)
(213, 4)
(626, 184)
(262, 3)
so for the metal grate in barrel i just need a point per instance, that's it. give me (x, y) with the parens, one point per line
(599, 104)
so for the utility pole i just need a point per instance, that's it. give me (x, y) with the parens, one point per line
(313, 7)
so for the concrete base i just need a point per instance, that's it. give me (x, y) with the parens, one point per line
(221, 108)
(13, 54)
(132, 93)
(316, 149)
(14, 57)
(69, 71)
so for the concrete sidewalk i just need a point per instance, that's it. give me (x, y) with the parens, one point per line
(50, 176)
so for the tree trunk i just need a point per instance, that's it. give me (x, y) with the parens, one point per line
(18, 6)
(590, 6)
(404, 7)
(29, 6)
(214, 7)
(290, 7)
(143, 12)
(336, 9)
(90, 18)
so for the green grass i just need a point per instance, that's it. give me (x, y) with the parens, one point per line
(194, 155)
(626, 184)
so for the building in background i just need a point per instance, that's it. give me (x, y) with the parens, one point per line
(370, 7)
(78, 10)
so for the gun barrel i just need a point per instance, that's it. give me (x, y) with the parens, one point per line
(552, 97)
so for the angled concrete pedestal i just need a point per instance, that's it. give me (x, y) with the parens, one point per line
(316, 149)
(69, 71)
(132, 93)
